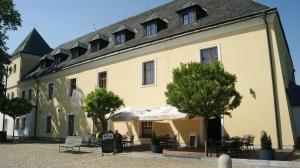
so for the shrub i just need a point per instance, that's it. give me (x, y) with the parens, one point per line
(266, 142)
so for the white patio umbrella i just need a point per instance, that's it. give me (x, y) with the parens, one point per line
(126, 114)
(163, 113)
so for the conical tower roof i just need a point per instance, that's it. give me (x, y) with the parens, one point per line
(33, 44)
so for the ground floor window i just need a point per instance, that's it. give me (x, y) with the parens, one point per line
(146, 129)
(71, 122)
(17, 124)
(48, 124)
(23, 123)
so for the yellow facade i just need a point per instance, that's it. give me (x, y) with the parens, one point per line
(243, 50)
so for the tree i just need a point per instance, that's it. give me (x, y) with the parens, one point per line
(203, 90)
(17, 107)
(10, 19)
(100, 103)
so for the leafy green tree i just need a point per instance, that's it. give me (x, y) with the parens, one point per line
(203, 90)
(10, 19)
(100, 103)
(17, 107)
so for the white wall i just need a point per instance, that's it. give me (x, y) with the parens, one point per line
(28, 131)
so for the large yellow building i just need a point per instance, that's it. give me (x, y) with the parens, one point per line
(135, 57)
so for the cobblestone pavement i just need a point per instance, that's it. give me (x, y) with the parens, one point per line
(46, 155)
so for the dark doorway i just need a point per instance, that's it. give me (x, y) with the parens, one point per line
(214, 128)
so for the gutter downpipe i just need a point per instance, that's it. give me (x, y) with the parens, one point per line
(36, 105)
(275, 94)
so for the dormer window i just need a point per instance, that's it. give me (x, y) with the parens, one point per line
(46, 61)
(150, 29)
(123, 34)
(78, 49)
(188, 17)
(120, 38)
(190, 13)
(153, 24)
(61, 55)
(98, 42)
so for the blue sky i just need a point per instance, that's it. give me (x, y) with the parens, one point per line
(59, 21)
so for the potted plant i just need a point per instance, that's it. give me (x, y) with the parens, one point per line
(155, 144)
(266, 152)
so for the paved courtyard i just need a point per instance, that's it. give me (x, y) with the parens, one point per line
(46, 155)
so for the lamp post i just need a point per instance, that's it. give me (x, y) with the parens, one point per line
(4, 101)
(36, 78)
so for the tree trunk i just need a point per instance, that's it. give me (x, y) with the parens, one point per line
(14, 129)
(205, 137)
(104, 125)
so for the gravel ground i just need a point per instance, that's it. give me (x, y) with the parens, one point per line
(46, 155)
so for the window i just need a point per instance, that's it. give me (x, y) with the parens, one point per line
(72, 86)
(71, 122)
(120, 38)
(29, 94)
(23, 94)
(15, 68)
(17, 124)
(5, 124)
(188, 17)
(74, 53)
(209, 55)
(48, 124)
(150, 29)
(50, 91)
(146, 129)
(102, 80)
(148, 73)
(12, 95)
(94, 46)
(8, 96)
(23, 123)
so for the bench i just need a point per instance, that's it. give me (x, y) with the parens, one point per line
(71, 142)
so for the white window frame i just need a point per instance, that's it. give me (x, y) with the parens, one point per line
(48, 93)
(198, 59)
(142, 73)
(141, 129)
(69, 84)
(67, 126)
(107, 73)
(49, 115)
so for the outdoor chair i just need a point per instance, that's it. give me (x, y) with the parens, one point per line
(234, 148)
(173, 142)
(71, 142)
(249, 142)
(130, 142)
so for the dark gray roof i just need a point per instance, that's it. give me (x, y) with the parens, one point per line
(123, 27)
(154, 16)
(100, 36)
(294, 94)
(79, 44)
(33, 44)
(47, 56)
(61, 51)
(218, 11)
(188, 4)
